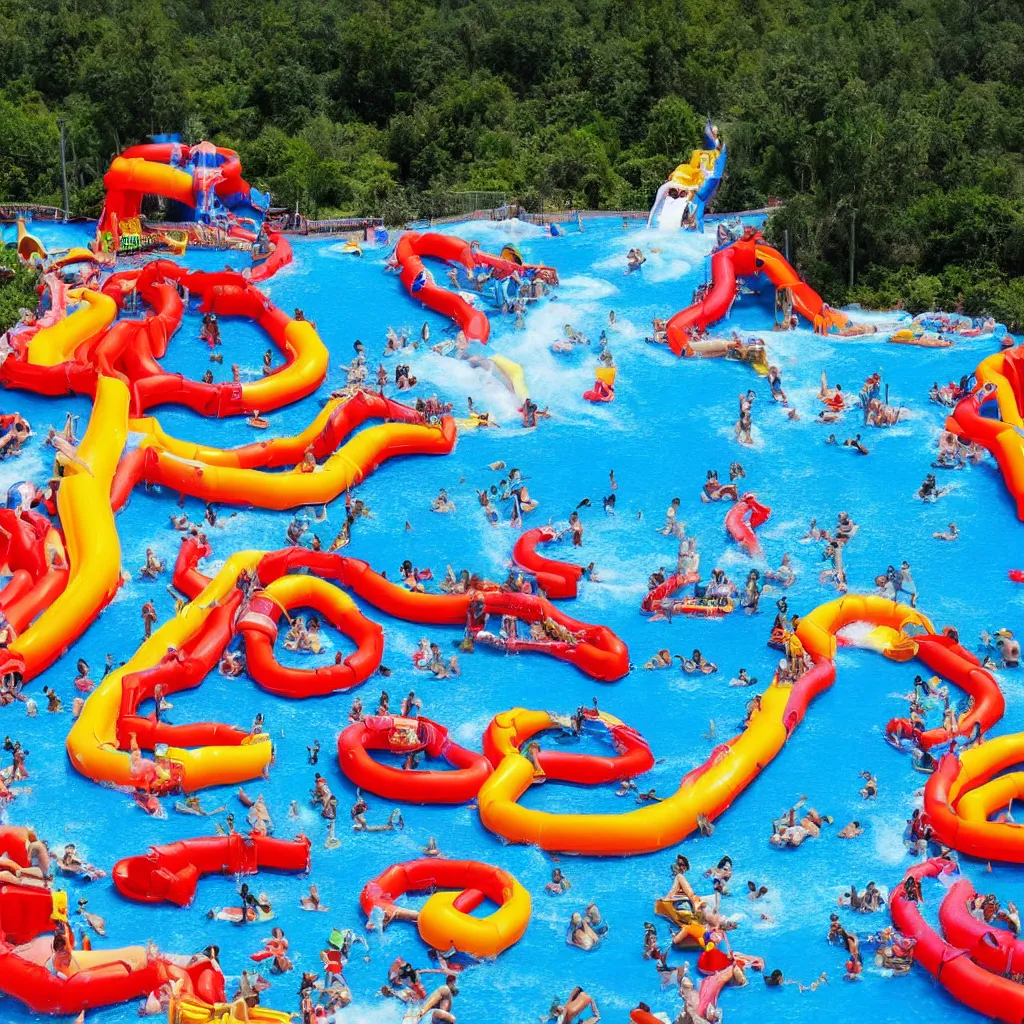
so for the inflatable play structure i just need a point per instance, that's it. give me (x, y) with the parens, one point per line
(970, 959)
(170, 873)
(410, 736)
(468, 259)
(78, 350)
(458, 887)
(31, 917)
(681, 201)
(965, 795)
(203, 183)
(748, 257)
(182, 651)
(557, 579)
(745, 516)
(1001, 381)
(899, 632)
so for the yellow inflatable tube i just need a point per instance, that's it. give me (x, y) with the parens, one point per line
(188, 1010)
(54, 345)
(649, 828)
(301, 377)
(514, 376)
(355, 460)
(93, 548)
(817, 630)
(275, 451)
(982, 763)
(92, 741)
(990, 371)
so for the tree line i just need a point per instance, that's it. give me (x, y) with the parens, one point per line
(908, 114)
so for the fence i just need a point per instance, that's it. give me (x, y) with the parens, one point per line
(32, 211)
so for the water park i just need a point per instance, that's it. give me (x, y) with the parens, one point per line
(567, 723)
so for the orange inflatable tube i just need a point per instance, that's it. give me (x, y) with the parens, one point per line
(1000, 379)
(259, 626)
(406, 736)
(964, 793)
(445, 921)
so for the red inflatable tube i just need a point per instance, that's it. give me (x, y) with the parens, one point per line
(169, 873)
(420, 787)
(409, 253)
(965, 981)
(25, 913)
(745, 516)
(991, 947)
(632, 753)
(599, 652)
(259, 627)
(652, 599)
(558, 580)
(944, 656)
(479, 881)
(644, 1016)
(183, 669)
(280, 257)
(34, 583)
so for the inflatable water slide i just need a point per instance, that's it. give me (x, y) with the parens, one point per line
(204, 184)
(1000, 380)
(690, 187)
(748, 257)
(460, 306)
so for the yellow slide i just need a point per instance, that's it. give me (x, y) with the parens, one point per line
(94, 551)
(92, 742)
(54, 345)
(178, 467)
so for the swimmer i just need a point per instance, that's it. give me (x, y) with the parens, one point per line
(153, 566)
(951, 534)
(855, 443)
(851, 831)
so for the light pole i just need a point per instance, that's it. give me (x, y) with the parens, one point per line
(64, 168)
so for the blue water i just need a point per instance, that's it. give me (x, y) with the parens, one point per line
(671, 420)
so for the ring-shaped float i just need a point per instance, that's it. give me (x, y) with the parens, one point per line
(259, 626)
(445, 921)
(405, 736)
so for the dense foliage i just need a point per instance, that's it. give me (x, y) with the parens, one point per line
(909, 112)
(17, 292)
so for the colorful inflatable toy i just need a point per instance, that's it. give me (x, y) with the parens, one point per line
(745, 258)
(964, 793)
(745, 516)
(204, 181)
(445, 920)
(408, 736)
(170, 872)
(954, 966)
(1000, 380)
(94, 978)
(710, 788)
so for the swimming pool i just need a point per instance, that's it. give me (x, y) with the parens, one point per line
(671, 420)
